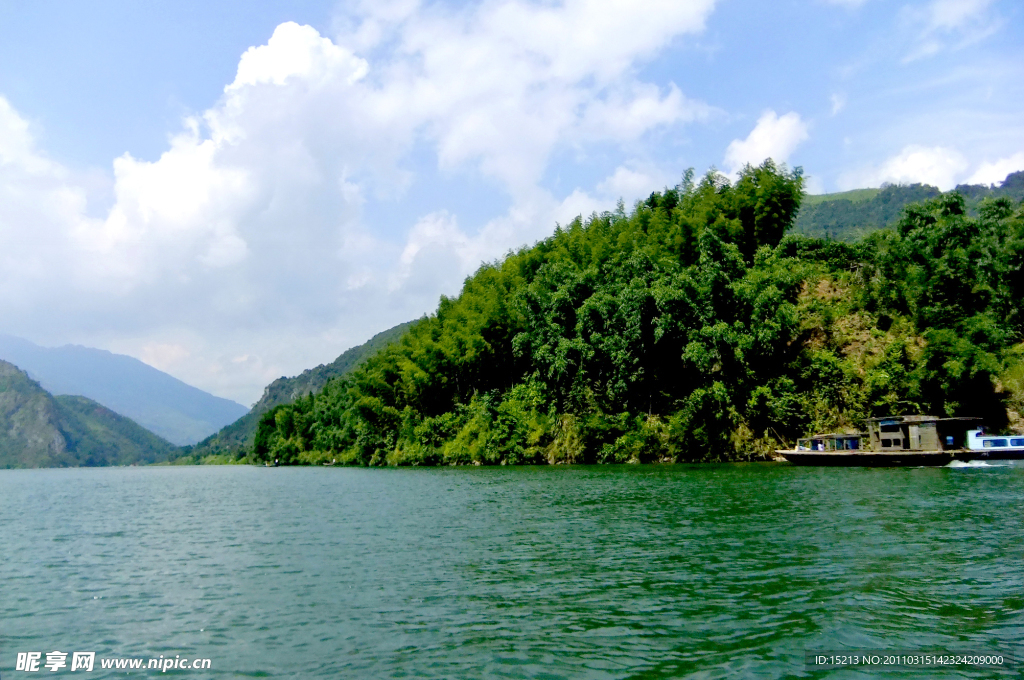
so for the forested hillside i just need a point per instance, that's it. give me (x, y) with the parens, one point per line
(40, 430)
(852, 215)
(234, 440)
(687, 329)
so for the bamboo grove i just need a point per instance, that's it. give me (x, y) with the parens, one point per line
(688, 329)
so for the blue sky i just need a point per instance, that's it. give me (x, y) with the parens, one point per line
(237, 191)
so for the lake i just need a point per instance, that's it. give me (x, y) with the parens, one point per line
(643, 572)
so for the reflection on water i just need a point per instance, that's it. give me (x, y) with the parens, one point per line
(584, 572)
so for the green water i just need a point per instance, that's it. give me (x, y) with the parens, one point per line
(729, 571)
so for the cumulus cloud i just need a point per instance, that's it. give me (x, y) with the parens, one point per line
(628, 115)
(774, 137)
(939, 166)
(994, 172)
(630, 184)
(295, 51)
(436, 255)
(41, 213)
(244, 251)
(501, 86)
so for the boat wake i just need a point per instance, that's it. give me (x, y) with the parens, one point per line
(972, 464)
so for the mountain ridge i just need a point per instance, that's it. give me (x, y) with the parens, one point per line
(38, 429)
(851, 215)
(168, 407)
(234, 439)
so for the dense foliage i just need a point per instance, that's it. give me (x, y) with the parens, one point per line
(687, 330)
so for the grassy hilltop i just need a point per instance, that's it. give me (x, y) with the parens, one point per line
(852, 215)
(688, 329)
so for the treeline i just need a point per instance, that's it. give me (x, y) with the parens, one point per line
(866, 210)
(688, 329)
(852, 215)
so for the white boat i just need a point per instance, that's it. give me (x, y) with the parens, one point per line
(995, 446)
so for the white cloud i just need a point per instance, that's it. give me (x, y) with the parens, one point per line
(628, 115)
(436, 256)
(853, 4)
(943, 24)
(814, 185)
(939, 166)
(994, 172)
(243, 252)
(950, 15)
(166, 356)
(502, 86)
(774, 137)
(17, 148)
(838, 100)
(299, 52)
(629, 184)
(40, 212)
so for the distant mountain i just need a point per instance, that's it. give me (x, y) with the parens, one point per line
(238, 436)
(850, 215)
(40, 430)
(178, 412)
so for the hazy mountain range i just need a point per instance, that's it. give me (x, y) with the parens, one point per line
(178, 412)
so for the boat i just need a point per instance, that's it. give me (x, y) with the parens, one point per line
(994, 446)
(893, 441)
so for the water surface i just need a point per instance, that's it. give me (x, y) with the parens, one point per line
(728, 571)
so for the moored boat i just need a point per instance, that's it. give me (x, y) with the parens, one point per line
(994, 447)
(889, 442)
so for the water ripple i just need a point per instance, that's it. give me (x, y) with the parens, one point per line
(582, 572)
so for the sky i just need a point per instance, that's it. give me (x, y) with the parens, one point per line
(237, 191)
